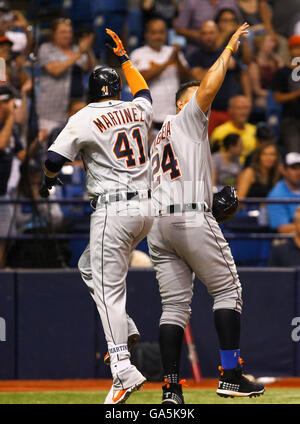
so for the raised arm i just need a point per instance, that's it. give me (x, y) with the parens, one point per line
(214, 77)
(135, 80)
(265, 13)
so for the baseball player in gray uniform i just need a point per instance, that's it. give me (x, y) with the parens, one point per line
(112, 138)
(186, 238)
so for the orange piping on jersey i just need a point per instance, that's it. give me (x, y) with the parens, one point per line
(135, 80)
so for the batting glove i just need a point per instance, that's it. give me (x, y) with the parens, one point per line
(119, 49)
(48, 184)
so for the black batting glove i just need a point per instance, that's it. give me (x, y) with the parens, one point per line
(48, 184)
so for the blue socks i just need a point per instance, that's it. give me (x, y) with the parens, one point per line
(229, 358)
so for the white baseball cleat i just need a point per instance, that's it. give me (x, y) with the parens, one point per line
(125, 382)
(120, 396)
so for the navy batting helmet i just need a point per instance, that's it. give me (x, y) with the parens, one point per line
(104, 82)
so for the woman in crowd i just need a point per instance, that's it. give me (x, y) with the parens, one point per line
(263, 68)
(35, 218)
(63, 65)
(226, 162)
(29, 216)
(227, 21)
(263, 173)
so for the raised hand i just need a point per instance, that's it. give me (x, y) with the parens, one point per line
(119, 49)
(235, 39)
(86, 43)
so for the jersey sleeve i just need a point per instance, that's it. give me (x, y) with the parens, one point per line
(145, 106)
(69, 141)
(192, 121)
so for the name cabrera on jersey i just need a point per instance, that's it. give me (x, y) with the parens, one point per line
(112, 138)
(181, 159)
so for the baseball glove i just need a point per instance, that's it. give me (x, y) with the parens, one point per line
(225, 204)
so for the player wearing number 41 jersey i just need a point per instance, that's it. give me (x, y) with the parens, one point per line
(112, 138)
(186, 239)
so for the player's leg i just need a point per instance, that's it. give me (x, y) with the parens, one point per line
(213, 264)
(112, 238)
(84, 266)
(176, 290)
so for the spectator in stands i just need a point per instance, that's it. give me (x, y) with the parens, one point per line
(236, 80)
(194, 13)
(164, 9)
(226, 163)
(17, 80)
(264, 134)
(261, 176)
(286, 87)
(281, 216)
(163, 67)
(10, 145)
(239, 109)
(287, 252)
(249, 11)
(228, 22)
(14, 25)
(263, 67)
(15, 69)
(40, 216)
(62, 67)
(34, 218)
(280, 21)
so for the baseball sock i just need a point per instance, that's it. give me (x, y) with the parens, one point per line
(170, 342)
(228, 323)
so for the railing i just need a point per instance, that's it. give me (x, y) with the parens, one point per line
(85, 236)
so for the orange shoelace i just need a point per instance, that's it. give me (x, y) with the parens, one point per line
(220, 368)
(183, 382)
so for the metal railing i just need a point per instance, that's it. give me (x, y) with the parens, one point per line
(85, 236)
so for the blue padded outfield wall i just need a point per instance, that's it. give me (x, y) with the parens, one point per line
(53, 329)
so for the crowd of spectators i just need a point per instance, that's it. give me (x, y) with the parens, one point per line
(254, 125)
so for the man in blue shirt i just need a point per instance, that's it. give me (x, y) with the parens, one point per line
(281, 216)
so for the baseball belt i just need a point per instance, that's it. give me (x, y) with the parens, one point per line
(185, 207)
(121, 196)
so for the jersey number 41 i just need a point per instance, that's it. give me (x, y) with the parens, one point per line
(168, 164)
(122, 148)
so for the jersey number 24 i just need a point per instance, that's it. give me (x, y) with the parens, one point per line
(168, 164)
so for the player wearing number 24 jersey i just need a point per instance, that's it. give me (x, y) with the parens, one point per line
(186, 239)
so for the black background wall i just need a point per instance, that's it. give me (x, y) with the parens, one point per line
(53, 330)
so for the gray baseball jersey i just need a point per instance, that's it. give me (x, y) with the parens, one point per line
(181, 244)
(112, 138)
(181, 159)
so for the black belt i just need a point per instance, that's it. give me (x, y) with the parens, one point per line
(186, 207)
(117, 197)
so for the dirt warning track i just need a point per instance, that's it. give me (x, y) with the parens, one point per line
(94, 385)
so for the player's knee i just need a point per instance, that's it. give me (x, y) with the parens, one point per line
(229, 299)
(177, 314)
